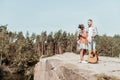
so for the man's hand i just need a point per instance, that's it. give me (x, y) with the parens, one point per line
(93, 37)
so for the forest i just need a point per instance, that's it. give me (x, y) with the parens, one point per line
(19, 53)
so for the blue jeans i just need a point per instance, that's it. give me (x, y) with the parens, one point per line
(92, 45)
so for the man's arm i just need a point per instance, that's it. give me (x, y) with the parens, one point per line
(95, 32)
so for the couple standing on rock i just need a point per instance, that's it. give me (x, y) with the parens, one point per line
(86, 39)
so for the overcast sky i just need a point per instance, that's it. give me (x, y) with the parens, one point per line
(51, 15)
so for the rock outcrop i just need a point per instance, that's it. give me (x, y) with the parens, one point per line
(67, 67)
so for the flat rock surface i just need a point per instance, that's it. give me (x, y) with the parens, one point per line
(67, 66)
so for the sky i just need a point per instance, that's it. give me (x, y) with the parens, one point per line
(52, 15)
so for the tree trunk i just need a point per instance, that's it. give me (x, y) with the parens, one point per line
(60, 50)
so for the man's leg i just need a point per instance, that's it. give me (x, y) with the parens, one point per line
(94, 51)
(90, 53)
(94, 47)
(90, 49)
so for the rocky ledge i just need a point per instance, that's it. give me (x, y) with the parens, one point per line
(67, 67)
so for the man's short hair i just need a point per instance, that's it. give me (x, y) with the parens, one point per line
(90, 20)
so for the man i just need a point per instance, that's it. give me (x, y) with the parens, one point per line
(92, 33)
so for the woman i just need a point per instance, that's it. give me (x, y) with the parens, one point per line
(82, 41)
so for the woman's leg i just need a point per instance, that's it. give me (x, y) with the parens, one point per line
(84, 51)
(81, 54)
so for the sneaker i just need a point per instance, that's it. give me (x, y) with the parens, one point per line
(84, 62)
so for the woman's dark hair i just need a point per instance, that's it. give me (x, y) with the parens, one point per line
(81, 26)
